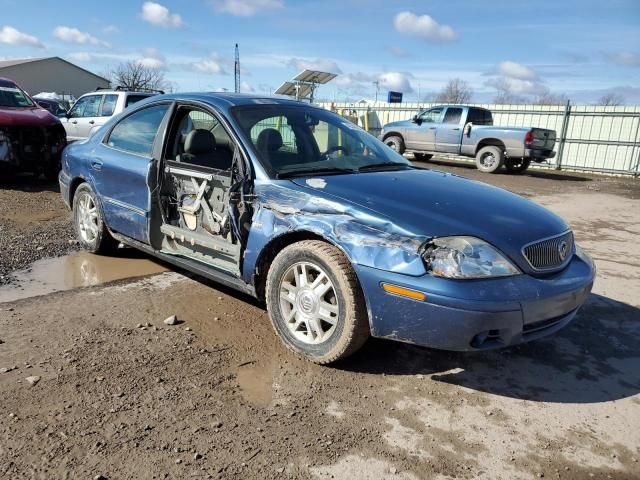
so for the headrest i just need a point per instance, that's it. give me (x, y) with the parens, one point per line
(199, 141)
(269, 140)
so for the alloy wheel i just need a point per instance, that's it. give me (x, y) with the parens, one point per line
(309, 303)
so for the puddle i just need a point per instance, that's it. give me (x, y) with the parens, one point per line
(256, 383)
(79, 269)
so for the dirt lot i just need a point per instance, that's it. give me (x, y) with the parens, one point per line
(123, 396)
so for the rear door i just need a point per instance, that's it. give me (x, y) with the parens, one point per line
(121, 167)
(107, 109)
(449, 132)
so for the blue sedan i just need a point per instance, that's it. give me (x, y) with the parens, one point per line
(340, 236)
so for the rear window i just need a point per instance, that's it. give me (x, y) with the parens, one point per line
(131, 99)
(108, 105)
(480, 116)
(453, 116)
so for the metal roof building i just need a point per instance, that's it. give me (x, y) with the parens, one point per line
(51, 74)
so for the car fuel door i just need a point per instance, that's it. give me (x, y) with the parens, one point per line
(197, 193)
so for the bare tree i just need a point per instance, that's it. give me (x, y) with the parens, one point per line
(549, 98)
(456, 91)
(505, 96)
(135, 76)
(611, 100)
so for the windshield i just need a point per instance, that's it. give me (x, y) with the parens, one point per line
(295, 140)
(12, 96)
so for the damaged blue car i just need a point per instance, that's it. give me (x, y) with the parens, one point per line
(341, 237)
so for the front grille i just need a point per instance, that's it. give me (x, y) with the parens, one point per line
(549, 253)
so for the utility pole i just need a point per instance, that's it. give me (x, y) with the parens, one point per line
(377, 84)
(237, 70)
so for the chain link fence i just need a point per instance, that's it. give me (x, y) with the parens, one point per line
(590, 138)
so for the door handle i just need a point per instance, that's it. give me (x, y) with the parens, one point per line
(455, 129)
(75, 122)
(96, 165)
(91, 122)
(432, 128)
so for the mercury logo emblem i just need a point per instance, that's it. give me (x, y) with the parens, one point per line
(563, 249)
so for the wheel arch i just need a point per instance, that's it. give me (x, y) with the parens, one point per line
(486, 142)
(73, 186)
(275, 245)
(393, 133)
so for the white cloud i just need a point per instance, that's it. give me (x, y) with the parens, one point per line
(73, 35)
(515, 70)
(246, 87)
(625, 58)
(209, 66)
(80, 56)
(321, 64)
(11, 36)
(395, 81)
(517, 86)
(160, 16)
(245, 8)
(423, 27)
(152, 58)
(110, 29)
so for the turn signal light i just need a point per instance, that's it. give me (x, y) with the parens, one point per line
(403, 292)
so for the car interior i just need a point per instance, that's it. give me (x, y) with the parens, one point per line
(195, 189)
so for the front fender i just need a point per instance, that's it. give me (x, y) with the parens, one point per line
(366, 238)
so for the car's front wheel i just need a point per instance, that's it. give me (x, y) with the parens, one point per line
(88, 222)
(315, 302)
(396, 143)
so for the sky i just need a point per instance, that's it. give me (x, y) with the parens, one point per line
(579, 48)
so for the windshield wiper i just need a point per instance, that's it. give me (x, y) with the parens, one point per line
(315, 171)
(384, 166)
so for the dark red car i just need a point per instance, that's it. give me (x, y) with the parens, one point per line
(31, 138)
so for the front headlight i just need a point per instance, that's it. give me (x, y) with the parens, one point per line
(466, 257)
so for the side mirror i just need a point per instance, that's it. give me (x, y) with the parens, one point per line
(416, 119)
(467, 128)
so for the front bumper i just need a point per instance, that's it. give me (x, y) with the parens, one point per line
(476, 314)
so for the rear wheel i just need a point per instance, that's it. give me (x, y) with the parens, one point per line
(489, 159)
(395, 143)
(517, 165)
(422, 157)
(315, 302)
(88, 222)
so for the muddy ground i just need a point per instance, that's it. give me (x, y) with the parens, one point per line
(123, 396)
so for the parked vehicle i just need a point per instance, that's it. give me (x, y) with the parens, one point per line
(469, 131)
(52, 106)
(341, 236)
(94, 109)
(31, 138)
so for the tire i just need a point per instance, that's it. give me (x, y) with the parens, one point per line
(88, 222)
(517, 166)
(396, 143)
(296, 315)
(489, 159)
(422, 157)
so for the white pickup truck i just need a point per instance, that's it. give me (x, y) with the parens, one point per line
(469, 131)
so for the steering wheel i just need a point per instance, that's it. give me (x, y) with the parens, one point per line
(335, 148)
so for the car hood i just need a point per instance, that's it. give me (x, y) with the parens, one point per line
(38, 117)
(435, 204)
(398, 124)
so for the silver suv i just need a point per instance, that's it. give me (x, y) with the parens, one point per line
(92, 110)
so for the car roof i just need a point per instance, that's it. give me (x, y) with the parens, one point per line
(227, 100)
